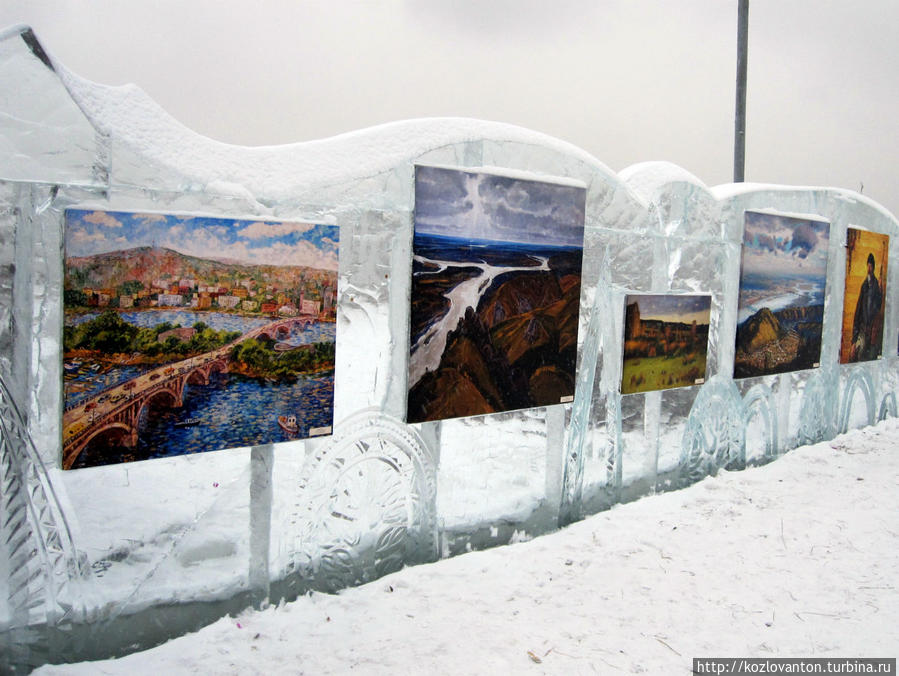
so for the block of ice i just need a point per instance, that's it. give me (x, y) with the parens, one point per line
(46, 136)
(134, 553)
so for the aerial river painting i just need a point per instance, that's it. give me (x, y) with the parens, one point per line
(782, 285)
(496, 285)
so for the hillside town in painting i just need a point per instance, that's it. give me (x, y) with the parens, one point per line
(496, 286)
(186, 334)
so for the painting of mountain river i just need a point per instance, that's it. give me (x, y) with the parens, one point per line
(782, 285)
(187, 334)
(496, 285)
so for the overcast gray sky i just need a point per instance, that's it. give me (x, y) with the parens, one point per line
(626, 80)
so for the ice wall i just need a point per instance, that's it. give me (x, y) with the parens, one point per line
(98, 560)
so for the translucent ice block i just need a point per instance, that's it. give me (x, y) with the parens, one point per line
(44, 136)
(141, 551)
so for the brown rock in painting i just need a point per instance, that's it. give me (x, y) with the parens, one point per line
(760, 329)
(522, 335)
(463, 355)
(519, 295)
(548, 385)
(446, 393)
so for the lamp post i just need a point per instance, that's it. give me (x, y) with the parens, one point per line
(740, 115)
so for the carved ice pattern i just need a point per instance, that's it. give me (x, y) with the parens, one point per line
(816, 415)
(859, 381)
(367, 496)
(760, 412)
(715, 434)
(573, 473)
(367, 507)
(42, 560)
(591, 403)
(887, 406)
(889, 384)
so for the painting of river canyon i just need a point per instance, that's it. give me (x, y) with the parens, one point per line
(186, 334)
(782, 284)
(496, 285)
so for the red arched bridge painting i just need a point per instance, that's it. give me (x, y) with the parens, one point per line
(167, 351)
(115, 413)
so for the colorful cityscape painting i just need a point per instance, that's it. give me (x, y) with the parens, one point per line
(863, 300)
(496, 285)
(186, 334)
(782, 284)
(666, 341)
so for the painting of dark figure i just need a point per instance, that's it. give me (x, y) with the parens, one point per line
(863, 306)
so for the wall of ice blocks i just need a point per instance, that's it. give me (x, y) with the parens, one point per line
(96, 560)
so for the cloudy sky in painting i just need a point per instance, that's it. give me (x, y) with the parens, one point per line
(473, 205)
(784, 245)
(252, 242)
(626, 80)
(673, 308)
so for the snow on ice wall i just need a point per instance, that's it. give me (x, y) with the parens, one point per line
(94, 560)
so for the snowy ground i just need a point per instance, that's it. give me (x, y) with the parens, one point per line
(797, 558)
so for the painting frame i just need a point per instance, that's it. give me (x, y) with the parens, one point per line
(864, 295)
(495, 291)
(665, 341)
(782, 288)
(187, 333)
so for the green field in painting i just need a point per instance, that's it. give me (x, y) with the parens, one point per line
(645, 374)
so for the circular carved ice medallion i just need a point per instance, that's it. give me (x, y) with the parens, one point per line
(368, 503)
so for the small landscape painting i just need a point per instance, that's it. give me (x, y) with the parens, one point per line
(187, 334)
(666, 340)
(496, 287)
(863, 300)
(780, 312)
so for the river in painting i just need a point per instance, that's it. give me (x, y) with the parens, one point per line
(84, 380)
(231, 411)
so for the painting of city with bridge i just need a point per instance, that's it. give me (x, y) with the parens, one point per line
(187, 334)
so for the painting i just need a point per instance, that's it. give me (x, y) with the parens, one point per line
(863, 300)
(666, 340)
(186, 334)
(780, 311)
(496, 285)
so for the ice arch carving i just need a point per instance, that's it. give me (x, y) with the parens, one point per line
(368, 504)
(757, 404)
(859, 381)
(817, 416)
(887, 406)
(47, 579)
(374, 496)
(715, 435)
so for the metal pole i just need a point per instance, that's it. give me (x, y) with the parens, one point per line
(740, 116)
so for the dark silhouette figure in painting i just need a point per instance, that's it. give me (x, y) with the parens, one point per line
(865, 329)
